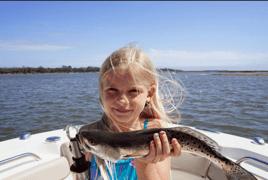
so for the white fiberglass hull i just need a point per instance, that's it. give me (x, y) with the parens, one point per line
(52, 166)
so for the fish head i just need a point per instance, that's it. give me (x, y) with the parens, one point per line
(88, 140)
(97, 143)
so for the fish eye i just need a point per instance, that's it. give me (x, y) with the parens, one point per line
(91, 142)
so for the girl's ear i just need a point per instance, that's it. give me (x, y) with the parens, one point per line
(151, 92)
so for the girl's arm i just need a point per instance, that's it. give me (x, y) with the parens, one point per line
(155, 171)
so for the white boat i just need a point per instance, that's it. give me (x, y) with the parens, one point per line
(46, 156)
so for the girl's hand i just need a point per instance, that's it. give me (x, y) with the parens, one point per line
(159, 149)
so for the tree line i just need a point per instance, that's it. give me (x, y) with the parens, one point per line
(42, 70)
(63, 69)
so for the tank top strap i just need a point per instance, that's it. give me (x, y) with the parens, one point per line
(145, 124)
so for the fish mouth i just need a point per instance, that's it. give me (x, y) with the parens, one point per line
(81, 141)
(86, 147)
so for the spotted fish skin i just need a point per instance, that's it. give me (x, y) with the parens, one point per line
(135, 144)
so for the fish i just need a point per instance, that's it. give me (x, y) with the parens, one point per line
(135, 144)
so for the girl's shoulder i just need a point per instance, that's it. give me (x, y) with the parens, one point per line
(89, 126)
(156, 123)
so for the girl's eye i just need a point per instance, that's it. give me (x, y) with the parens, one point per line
(112, 89)
(134, 90)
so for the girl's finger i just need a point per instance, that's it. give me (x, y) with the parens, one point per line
(177, 147)
(150, 157)
(152, 152)
(165, 145)
(158, 146)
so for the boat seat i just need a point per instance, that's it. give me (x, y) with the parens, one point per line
(192, 167)
(185, 167)
(64, 149)
(55, 169)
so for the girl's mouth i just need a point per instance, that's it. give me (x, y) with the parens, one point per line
(122, 110)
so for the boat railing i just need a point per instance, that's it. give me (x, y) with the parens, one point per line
(248, 158)
(15, 158)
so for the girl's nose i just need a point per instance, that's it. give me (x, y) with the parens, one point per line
(122, 99)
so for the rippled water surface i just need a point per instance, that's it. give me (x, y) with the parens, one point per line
(40, 102)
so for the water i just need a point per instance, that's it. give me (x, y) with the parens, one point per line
(41, 102)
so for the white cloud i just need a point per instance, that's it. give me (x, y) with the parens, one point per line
(36, 47)
(45, 23)
(62, 34)
(174, 58)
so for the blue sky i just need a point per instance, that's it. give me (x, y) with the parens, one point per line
(207, 35)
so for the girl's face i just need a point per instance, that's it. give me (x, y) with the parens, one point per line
(123, 98)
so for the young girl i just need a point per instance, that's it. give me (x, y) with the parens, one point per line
(129, 95)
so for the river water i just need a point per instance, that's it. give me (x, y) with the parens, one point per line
(36, 103)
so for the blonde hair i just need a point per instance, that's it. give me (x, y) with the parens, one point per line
(143, 70)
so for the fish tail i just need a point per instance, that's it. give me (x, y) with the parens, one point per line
(235, 172)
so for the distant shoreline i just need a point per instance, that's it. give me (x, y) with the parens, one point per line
(46, 73)
(224, 73)
(70, 70)
(243, 74)
(41, 70)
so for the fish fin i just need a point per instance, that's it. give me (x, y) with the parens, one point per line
(213, 144)
(132, 153)
(132, 156)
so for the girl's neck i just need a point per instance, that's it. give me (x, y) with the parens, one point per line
(128, 126)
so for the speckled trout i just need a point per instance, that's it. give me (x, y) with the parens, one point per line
(135, 144)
